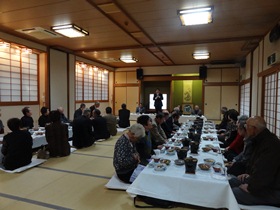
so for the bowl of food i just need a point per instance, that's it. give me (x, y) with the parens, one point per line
(209, 161)
(160, 167)
(165, 161)
(170, 152)
(206, 149)
(156, 159)
(179, 162)
(204, 167)
(217, 168)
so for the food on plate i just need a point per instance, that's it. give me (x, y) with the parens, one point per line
(165, 161)
(206, 149)
(179, 162)
(160, 167)
(217, 168)
(203, 166)
(209, 161)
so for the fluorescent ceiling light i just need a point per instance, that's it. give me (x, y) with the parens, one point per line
(196, 16)
(201, 56)
(70, 31)
(128, 59)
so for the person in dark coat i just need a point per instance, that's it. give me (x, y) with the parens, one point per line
(44, 118)
(260, 185)
(17, 146)
(100, 126)
(158, 101)
(27, 120)
(57, 136)
(124, 115)
(82, 131)
(79, 111)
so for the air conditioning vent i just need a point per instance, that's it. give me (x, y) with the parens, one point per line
(274, 58)
(39, 33)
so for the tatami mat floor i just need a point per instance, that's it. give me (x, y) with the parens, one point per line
(73, 182)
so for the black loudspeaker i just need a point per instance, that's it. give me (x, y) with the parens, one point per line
(274, 34)
(202, 72)
(139, 74)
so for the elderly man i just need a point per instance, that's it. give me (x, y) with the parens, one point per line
(157, 133)
(63, 118)
(261, 184)
(196, 111)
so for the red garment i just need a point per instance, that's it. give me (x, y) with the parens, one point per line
(238, 144)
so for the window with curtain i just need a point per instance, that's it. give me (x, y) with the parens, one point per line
(271, 109)
(92, 83)
(245, 99)
(18, 75)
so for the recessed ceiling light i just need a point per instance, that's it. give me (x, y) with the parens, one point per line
(70, 30)
(201, 56)
(128, 59)
(196, 16)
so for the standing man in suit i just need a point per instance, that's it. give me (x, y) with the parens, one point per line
(158, 100)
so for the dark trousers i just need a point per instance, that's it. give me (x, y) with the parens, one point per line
(242, 197)
(125, 177)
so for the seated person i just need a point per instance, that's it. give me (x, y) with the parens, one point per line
(100, 126)
(178, 110)
(63, 118)
(260, 185)
(158, 136)
(1, 125)
(144, 145)
(223, 124)
(44, 118)
(196, 111)
(17, 146)
(231, 133)
(140, 109)
(57, 136)
(236, 147)
(82, 131)
(79, 112)
(27, 120)
(239, 163)
(173, 122)
(111, 121)
(124, 115)
(168, 131)
(126, 157)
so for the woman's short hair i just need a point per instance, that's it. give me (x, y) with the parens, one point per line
(54, 116)
(233, 114)
(138, 130)
(14, 124)
(25, 110)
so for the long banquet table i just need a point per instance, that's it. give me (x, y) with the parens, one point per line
(204, 188)
(182, 119)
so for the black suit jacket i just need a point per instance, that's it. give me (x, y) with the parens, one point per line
(17, 149)
(82, 132)
(124, 115)
(158, 99)
(100, 128)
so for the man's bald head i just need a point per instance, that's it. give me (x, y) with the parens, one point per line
(255, 125)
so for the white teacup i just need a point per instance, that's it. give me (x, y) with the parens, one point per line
(157, 152)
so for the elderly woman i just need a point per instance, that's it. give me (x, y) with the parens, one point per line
(57, 136)
(17, 146)
(126, 158)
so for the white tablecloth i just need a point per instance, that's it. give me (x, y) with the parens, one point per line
(205, 188)
(182, 119)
